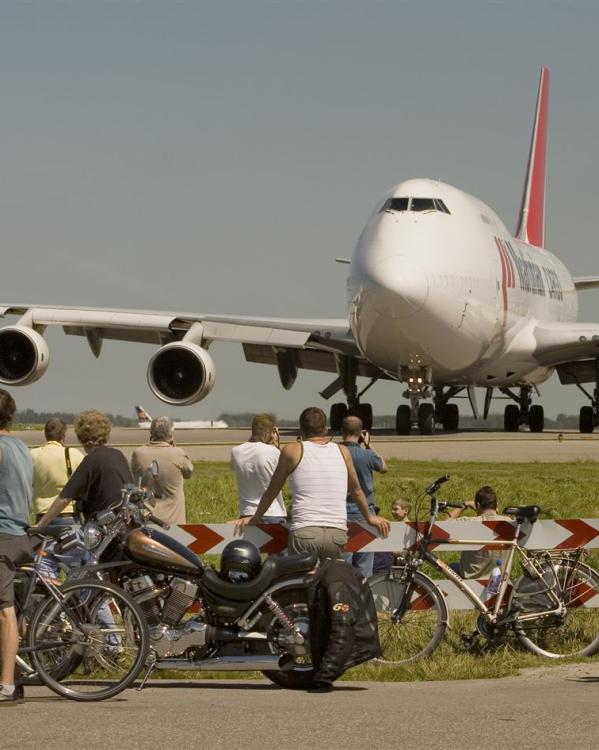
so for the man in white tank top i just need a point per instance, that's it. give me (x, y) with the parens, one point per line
(321, 475)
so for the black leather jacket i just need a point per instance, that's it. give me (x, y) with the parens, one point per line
(343, 621)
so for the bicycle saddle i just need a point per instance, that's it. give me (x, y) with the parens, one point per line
(524, 512)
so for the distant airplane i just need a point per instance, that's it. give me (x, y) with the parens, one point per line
(145, 420)
(441, 297)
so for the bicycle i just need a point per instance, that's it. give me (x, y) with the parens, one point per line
(544, 608)
(89, 631)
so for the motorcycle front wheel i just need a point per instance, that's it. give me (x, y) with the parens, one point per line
(299, 676)
(99, 627)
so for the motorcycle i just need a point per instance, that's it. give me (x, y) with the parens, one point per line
(197, 620)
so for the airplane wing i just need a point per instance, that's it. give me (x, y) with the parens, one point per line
(288, 343)
(572, 348)
(585, 282)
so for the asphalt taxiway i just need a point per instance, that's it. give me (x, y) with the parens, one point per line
(551, 446)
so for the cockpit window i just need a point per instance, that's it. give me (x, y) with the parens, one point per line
(422, 204)
(396, 204)
(415, 204)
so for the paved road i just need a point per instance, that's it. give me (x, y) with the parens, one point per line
(546, 708)
(215, 445)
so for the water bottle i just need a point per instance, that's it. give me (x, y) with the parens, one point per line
(494, 581)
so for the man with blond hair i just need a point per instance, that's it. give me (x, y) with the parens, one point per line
(97, 482)
(253, 464)
(174, 467)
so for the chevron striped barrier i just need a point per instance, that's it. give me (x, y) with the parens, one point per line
(561, 534)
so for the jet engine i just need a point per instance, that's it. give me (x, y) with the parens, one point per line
(24, 355)
(181, 373)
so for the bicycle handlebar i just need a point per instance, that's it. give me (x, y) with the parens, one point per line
(434, 486)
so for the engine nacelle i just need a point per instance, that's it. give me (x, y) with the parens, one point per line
(181, 373)
(24, 355)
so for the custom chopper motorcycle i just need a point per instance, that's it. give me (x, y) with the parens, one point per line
(254, 619)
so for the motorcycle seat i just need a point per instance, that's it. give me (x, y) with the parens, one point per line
(272, 569)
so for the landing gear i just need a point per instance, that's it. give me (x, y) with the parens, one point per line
(589, 415)
(587, 419)
(337, 415)
(426, 419)
(450, 417)
(536, 418)
(523, 411)
(403, 420)
(511, 418)
(364, 412)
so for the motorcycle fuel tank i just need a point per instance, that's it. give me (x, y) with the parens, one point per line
(158, 550)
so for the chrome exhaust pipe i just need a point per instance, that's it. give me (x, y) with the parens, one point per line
(229, 664)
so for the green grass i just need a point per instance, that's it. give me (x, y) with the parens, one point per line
(565, 490)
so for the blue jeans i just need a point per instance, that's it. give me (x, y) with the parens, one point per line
(362, 562)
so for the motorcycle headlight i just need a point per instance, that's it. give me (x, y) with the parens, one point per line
(92, 535)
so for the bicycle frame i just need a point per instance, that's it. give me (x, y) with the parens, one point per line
(491, 614)
(51, 588)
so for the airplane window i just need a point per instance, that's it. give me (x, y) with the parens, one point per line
(396, 204)
(422, 204)
(441, 206)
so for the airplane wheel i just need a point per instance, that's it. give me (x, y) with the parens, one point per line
(587, 419)
(364, 412)
(338, 414)
(450, 417)
(426, 419)
(536, 418)
(403, 420)
(511, 418)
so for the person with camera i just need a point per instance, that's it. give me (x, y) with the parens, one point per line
(174, 467)
(253, 464)
(365, 460)
(16, 474)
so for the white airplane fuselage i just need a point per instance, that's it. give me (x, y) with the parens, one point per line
(454, 292)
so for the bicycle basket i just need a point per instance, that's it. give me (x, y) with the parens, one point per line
(532, 590)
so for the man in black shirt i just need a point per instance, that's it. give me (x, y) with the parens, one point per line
(99, 478)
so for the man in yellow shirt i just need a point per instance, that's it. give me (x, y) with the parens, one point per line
(53, 464)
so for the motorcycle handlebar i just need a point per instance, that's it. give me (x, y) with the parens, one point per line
(434, 486)
(158, 522)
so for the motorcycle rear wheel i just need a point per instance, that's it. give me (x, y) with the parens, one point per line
(301, 674)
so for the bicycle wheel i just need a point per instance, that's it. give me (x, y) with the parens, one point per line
(576, 632)
(420, 630)
(101, 624)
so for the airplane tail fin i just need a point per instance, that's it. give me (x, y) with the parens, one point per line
(142, 414)
(531, 228)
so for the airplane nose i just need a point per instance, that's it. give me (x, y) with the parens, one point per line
(400, 286)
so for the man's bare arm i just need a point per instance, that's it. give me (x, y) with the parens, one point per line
(54, 510)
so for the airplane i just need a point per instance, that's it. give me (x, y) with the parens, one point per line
(441, 297)
(144, 420)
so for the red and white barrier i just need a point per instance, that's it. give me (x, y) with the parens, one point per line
(562, 534)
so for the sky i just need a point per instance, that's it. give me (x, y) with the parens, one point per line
(217, 157)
